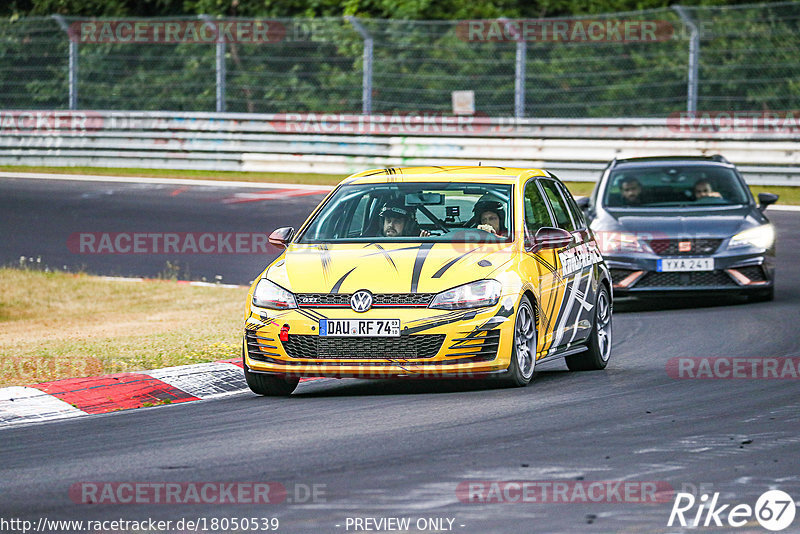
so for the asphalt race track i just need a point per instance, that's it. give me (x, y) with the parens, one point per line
(40, 216)
(379, 450)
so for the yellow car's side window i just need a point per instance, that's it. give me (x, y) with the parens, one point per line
(536, 214)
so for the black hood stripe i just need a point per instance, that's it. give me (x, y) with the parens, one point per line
(418, 263)
(440, 272)
(338, 284)
(387, 256)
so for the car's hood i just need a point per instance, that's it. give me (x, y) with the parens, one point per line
(386, 267)
(680, 223)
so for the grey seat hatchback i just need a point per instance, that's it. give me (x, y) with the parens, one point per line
(682, 225)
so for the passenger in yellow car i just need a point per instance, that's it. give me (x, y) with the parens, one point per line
(490, 216)
(398, 220)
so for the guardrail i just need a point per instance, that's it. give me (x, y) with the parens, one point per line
(340, 144)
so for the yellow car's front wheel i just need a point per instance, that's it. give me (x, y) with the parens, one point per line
(267, 385)
(523, 357)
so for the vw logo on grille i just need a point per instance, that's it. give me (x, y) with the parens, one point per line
(361, 301)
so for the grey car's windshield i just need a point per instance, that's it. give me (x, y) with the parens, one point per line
(438, 212)
(674, 186)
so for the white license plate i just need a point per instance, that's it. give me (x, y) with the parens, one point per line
(685, 265)
(359, 327)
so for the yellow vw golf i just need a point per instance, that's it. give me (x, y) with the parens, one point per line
(436, 272)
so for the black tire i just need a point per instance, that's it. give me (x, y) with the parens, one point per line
(523, 351)
(763, 295)
(599, 343)
(268, 385)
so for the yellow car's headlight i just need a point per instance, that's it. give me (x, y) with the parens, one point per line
(760, 237)
(270, 295)
(473, 295)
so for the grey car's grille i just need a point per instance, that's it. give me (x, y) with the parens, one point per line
(380, 300)
(406, 347)
(672, 247)
(617, 275)
(691, 279)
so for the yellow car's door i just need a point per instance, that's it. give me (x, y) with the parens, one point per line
(575, 268)
(542, 267)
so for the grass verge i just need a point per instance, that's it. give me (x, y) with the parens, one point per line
(61, 325)
(789, 195)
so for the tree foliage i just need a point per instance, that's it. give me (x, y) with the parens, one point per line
(379, 9)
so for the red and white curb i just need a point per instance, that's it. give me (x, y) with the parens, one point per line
(76, 397)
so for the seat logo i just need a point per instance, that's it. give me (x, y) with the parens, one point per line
(361, 301)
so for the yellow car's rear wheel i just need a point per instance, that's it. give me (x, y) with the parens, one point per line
(599, 344)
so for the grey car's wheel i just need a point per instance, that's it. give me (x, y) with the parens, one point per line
(268, 385)
(599, 340)
(523, 352)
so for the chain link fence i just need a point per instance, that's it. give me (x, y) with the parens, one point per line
(637, 64)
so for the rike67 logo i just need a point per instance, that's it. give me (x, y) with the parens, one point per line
(774, 510)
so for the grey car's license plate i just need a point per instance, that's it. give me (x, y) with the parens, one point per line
(668, 265)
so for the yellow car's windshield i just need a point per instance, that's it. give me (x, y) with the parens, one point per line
(439, 212)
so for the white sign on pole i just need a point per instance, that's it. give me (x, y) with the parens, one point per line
(463, 102)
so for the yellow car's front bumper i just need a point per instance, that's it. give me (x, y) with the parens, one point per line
(432, 344)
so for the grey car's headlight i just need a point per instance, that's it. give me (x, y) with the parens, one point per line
(619, 242)
(760, 237)
(270, 295)
(473, 295)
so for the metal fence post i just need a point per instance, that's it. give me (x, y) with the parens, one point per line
(73, 63)
(694, 56)
(366, 83)
(519, 79)
(519, 68)
(220, 67)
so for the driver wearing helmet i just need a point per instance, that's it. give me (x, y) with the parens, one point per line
(399, 220)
